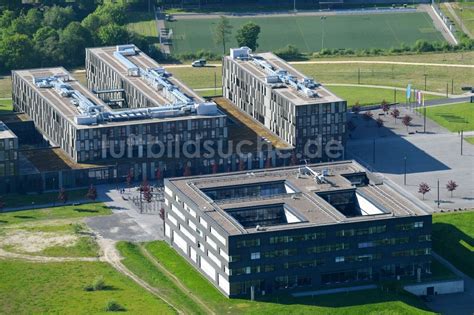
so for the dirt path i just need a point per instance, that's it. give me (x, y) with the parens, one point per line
(43, 259)
(112, 256)
(175, 280)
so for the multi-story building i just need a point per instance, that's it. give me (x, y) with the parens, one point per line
(296, 108)
(90, 130)
(8, 151)
(297, 228)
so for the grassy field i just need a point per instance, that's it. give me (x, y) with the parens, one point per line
(5, 106)
(437, 78)
(370, 96)
(61, 212)
(142, 267)
(453, 238)
(17, 200)
(455, 117)
(309, 34)
(58, 288)
(5, 86)
(465, 11)
(469, 139)
(373, 301)
(391, 75)
(142, 23)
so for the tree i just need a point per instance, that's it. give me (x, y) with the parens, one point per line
(129, 178)
(356, 108)
(113, 34)
(74, 39)
(395, 114)
(47, 46)
(222, 32)
(247, 35)
(146, 191)
(385, 107)
(379, 122)
(368, 115)
(62, 196)
(451, 187)
(187, 171)
(423, 188)
(407, 120)
(92, 193)
(241, 164)
(16, 51)
(58, 17)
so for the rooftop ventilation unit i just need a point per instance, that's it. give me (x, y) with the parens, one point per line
(273, 76)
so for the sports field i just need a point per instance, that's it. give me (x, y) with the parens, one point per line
(310, 33)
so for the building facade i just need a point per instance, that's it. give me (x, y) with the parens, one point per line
(297, 229)
(8, 151)
(294, 107)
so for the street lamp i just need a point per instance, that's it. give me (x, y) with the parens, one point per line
(323, 18)
(405, 171)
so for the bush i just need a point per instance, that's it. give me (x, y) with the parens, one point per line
(113, 306)
(97, 285)
(289, 52)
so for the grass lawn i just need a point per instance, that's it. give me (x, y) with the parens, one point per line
(373, 301)
(18, 200)
(454, 117)
(6, 106)
(5, 86)
(307, 32)
(370, 74)
(58, 288)
(60, 212)
(391, 75)
(453, 238)
(370, 96)
(142, 267)
(470, 139)
(143, 23)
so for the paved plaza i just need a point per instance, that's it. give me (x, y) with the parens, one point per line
(430, 156)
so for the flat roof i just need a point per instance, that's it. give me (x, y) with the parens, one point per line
(247, 128)
(295, 97)
(64, 106)
(5, 132)
(142, 60)
(304, 200)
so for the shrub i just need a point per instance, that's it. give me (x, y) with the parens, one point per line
(288, 53)
(98, 284)
(113, 306)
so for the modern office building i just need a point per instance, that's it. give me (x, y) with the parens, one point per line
(296, 108)
(91, 130)
(8, 151)
(297, 228)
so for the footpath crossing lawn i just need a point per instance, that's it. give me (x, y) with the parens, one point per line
(453, 238)
(454, 117)
(58, 288)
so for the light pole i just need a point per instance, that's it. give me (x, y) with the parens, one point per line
(425, 80)
(323, 18)
(405, 171)
(294, 6)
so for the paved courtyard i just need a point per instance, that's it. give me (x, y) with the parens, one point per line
(430, 156)
(125, 224)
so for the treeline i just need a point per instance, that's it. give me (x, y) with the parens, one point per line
(58, 35)
(421, 46)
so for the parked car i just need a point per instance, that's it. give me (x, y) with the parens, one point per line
(199, 63)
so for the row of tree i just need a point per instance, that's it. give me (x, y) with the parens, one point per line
(247, 35)
(54, 36)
